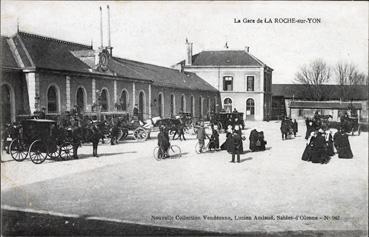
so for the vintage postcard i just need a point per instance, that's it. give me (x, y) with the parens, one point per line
(126, 118)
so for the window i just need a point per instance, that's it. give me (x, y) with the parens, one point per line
(192, 106)
(183, 103)
(250, 83)
(301, 112)
(123, 100)
(104, 100)
(81, 99)
(200, 107)
(228, 105)
(227, 83)
(160, 106)
(52, 104)
(172, 105)
(250, 107)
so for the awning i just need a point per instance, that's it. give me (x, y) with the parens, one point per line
(325, 105)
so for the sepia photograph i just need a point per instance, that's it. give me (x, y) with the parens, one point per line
(176, 118)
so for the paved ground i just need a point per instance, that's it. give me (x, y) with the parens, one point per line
(125, 183)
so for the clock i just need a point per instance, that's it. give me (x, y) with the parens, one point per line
(103, 60)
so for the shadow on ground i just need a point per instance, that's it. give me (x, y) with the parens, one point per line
(17, 223)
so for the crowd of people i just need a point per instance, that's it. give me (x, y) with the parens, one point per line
(321, 143)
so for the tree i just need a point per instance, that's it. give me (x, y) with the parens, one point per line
(348, 77)
(314, 75)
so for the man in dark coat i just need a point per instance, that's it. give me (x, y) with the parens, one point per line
(295, 127)
(96, 135)
(163, 142)
(342, 145)
(214, 144)
(236, 142)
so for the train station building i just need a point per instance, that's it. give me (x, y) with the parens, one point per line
(44, 72)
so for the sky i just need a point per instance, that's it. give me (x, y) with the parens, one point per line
(155, 32)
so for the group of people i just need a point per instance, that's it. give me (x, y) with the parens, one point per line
(288, 127)
(321, 142)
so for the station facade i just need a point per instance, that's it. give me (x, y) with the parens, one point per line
(43, 72)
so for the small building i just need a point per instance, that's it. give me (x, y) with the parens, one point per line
(296, 101)
(244, 82)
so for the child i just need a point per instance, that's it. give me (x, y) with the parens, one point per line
(163, 142)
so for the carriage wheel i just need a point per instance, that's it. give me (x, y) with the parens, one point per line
(18, 150)
(157, 155)
(55, 154)
(38, 152)
(140, 134)
(174, 151)
(66, 151)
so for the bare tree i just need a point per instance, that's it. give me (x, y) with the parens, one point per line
(348, 77)
(314, 75)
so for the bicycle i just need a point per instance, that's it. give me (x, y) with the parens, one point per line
(174, 151)
(205, 148)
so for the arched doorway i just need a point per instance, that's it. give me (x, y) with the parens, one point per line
(161, 105)
(104, 100)
(250, 109)
(5, 104)
(227, 105)
(141, 105)
(81, 99)
(52, 100)
(123, 101)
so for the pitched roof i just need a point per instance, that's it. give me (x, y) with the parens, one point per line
(161, 76)
(331, 92)
(50, 53)
(225, 58)
(324, 105)
(7, 54)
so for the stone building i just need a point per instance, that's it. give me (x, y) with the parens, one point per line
(244, 82)
(43, 72)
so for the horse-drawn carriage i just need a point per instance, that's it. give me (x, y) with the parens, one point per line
(223, 119)
(38, 140)
(123, 128)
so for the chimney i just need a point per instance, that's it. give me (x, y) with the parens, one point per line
(101, 30)
(109, 41)
(247, 49)
(189, 53)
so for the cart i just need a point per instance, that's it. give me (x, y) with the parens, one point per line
(38, 141)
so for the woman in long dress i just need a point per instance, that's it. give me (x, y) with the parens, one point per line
(342, 145)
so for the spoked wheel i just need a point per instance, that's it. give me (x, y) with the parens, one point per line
(157, 154)
(140, 134)
(38, 151)
(54, 153)
(174, 151)
(18, 150)
(66, 151)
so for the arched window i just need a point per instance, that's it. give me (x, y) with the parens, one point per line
(161, 105)
(250, 108)
(5, 104)
(81, 99)
(141, 105)
(228, 105)
(200, 107)
(250, 83)
(172, 105)
(227, 83)
(123, 100)
(192, 106)
(52, 100)
(183, 103)
(104, 100)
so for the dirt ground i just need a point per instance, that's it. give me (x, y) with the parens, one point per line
(268, 191)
